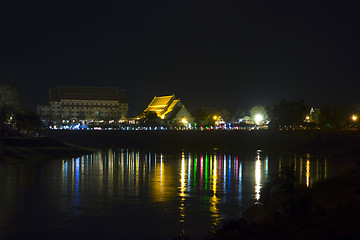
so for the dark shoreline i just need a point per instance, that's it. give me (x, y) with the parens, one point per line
(37, 149)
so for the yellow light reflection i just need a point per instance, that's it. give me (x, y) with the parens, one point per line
(98, 158)
(214, 175)
(280, 167)
(214, 199)
(110, 172)
(301, 170)
(161, 186)
(182, 177)
(325, 169)
(161, 168)
(317, 170)
(307, 173)
(136, 161)
(182, 189)
(63, 175)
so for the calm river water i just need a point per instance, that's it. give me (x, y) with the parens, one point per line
(132, 194)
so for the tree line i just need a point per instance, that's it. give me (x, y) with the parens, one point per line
(16, 118)
(291, 114)
(296, 113)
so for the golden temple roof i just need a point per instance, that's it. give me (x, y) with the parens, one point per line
(167, 107)
(171, 107)
(159, 102)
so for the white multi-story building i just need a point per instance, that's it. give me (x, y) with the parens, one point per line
(84, 104)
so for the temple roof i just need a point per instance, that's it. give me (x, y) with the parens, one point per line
(167, 107)
(160, 102)
(86, 93)
(171, 107)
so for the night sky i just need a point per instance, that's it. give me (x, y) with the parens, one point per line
(232, 54)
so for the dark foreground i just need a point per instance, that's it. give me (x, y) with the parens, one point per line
(329, 210)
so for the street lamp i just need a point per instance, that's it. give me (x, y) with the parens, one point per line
(258, 118)
(354, 117)
(184, 120)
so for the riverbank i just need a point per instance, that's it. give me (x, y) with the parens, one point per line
(37, 148)
(328, 210)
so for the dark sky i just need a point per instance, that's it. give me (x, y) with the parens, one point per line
(208, 53)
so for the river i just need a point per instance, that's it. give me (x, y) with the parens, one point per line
(135, 194)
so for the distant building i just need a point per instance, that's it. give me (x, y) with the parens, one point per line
(217, 114)
(246, 120)
(238, 116)
(313, 116)
(170, 109)
(84, 104)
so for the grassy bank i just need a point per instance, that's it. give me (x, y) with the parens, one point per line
(37, 148)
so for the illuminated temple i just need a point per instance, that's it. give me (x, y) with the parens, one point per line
(169, 108)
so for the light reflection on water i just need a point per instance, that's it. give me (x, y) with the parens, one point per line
(167, 195)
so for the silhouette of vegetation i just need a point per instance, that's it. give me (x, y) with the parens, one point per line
(202, 117)
(288, 113)
(15, 117)
(150, 119)
(337, 117)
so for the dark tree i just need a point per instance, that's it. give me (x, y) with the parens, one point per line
(9, 104)
(27, 122)
(344, 116)
(328, 115)
(150, 119)
(14, 114)
(201, 117)
(336, 117)
(288, 113)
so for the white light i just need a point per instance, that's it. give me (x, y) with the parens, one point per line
(257, 177)
(258, 118)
